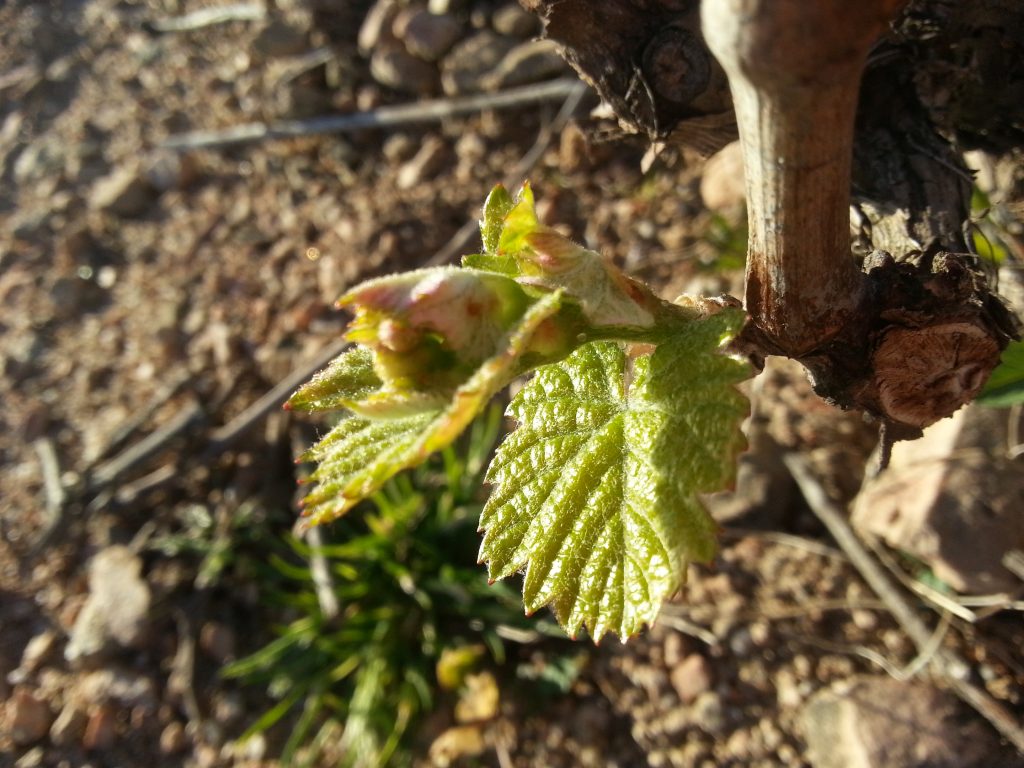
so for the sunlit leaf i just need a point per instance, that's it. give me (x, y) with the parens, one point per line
(520, 246)
(350, 376)
(596, 491)
(497, 206)
(359, 455)
(429, 329)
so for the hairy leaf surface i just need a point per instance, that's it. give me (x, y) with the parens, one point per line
(359, 455)
(350, 376)
(596, 492)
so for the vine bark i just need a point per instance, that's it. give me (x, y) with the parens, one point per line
(896, 319)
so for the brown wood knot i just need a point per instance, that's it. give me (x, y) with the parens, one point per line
(676, 65)
(920, 345)
(925, 374)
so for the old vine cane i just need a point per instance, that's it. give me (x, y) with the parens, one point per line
(912, 336)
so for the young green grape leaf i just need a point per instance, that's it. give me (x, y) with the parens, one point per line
(492, 223)
(517, 245)
(496, 207)
(350, 376)
(1005, 387)
(485, 262)
(519, 221)
(359, 455)
(595, 493)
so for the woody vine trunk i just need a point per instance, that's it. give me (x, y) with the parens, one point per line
(895, 317)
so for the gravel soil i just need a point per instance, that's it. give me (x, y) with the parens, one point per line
(146, 292)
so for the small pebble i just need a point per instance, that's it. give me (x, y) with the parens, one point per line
(37, 650)
(515, 21)
(427, 35)
(101, 730)
(692, 677)
(398, 69)
(27, 718)
(864, 619)
(218, 641)
(173, 739)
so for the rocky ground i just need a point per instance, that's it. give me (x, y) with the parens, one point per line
(150, 298)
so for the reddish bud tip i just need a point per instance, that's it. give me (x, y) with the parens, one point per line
(287, 406)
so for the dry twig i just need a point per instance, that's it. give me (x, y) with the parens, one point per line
(786, 539)
(939, 601)
(207, 17)
(226, 436)
(180, 681)
(127, 428)
(431, 111)
(139, 452)
(673, 618)
(56, 494)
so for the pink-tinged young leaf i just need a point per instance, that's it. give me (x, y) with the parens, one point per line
(430, 329)
(607, 296)
(359, 455)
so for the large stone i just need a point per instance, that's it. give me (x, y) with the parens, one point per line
(470, 63)
(398, 69)
(126, 192)
(878, 721)
(722, 186)
(427, 35)
(26, 717)
(527, 63)
(953, 500)
(116, 611)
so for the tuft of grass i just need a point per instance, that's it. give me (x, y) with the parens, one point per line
(223, 539)
(402, 570)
